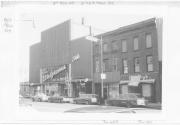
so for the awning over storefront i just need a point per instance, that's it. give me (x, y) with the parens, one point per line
(124, 82)
(81, 80)
(133, 83)
(136, 83)
(148, 81)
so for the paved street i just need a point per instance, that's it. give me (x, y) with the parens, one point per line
(80, 108)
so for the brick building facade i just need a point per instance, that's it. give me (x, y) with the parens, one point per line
(130, 61)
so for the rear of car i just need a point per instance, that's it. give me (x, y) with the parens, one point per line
(128, 100)
(67, 100)
(87, 99)
(55, 98)
(40, 97)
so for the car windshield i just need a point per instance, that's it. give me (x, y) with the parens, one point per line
(129, 96)
(87, 95)
(56, 95)
(40, 94)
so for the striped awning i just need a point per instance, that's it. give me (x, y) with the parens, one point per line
(136, 83)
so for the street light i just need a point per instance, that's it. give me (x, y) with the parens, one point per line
(103, 76)
(74, 59)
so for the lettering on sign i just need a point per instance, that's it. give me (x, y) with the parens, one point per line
(8, 24)
(46, 75)
(76, 57)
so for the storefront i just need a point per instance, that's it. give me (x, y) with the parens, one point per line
(81, 86)
(142, 85)
(54, 80)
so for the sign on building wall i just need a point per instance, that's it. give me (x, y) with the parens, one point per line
(53, 74)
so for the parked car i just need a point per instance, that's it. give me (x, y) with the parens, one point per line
(128, 100)
(55, 98)
(87, 99)
(67, 99)
(40, 97)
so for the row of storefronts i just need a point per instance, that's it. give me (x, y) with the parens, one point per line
(141, 85)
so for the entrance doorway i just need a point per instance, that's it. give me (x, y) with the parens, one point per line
(105, 93)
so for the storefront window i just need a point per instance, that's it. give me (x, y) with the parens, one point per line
(134, 89)
(146, 90)
(123, 89)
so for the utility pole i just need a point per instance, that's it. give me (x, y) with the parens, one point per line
(102, 75)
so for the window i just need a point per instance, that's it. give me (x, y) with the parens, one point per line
(106, 65)
(124, 46)
(105, 47)
(114, 45)
(114, 64)
(123, 89)
(148, 41)
(136, 64)
(96, 49)
(149, 60)
(134, 89)
(97, 65)
(125, 66)
(136, 43)
(120, 89)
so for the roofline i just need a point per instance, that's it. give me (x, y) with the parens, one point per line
(129, 27)
(52, 27)
(35, 44)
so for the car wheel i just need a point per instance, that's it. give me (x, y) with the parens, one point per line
(87, 102)
(128, 105)
(75, 102)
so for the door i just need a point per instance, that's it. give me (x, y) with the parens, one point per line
(146, 90)
(105, 93)
(124, 89)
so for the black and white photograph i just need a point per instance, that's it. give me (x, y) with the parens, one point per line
(94, 63)
(76, 60)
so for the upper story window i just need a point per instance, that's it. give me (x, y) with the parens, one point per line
(149, 60)
(115, 45)
(136, 43)
(106, 65)
(124, 46)
(136, 64)
(148, 41)
(114, 64)
(97, 65)
(105, 47)
(125, 66)
(96, 49)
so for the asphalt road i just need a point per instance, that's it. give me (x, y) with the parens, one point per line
(80, 108)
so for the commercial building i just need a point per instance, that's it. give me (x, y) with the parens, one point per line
(60, 63)
(131, 61)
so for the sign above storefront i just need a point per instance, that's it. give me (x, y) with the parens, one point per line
(49, 73)
(76, 57)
